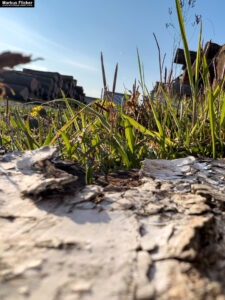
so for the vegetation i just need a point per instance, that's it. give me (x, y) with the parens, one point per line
(102, 136)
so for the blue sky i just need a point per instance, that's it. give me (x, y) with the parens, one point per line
(70, 34)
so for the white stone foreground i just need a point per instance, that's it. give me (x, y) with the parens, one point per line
(60, 240)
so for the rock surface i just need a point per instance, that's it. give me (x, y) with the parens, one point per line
(162, 239)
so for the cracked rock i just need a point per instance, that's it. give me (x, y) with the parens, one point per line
(161, 238)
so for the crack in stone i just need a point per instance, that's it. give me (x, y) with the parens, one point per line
(58, 246)
(12, 218)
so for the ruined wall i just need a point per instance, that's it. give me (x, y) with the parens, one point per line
(30, 85)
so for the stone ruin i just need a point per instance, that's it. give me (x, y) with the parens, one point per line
(33, 85)
(215, 56)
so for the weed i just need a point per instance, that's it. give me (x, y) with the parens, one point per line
(103, 137)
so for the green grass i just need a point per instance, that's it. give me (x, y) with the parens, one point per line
(103, 137)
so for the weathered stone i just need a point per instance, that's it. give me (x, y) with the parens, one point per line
(163, 239)
(167, 169)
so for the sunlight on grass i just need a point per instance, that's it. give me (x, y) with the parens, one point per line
(103, 137)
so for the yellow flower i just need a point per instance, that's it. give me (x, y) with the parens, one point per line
(38, 110)
(33, 114)
(109, 104)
